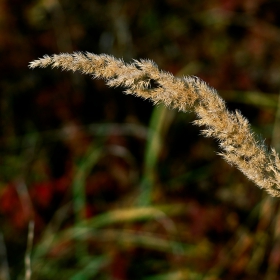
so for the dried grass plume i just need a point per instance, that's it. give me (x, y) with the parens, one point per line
(239, 146)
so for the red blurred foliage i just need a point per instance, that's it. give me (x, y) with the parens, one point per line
(42, 194)
(205, 218)
(11, 206)
(118, 266)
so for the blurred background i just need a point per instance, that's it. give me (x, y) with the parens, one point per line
(119, 189)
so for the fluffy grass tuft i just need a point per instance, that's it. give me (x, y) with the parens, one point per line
(238, 144)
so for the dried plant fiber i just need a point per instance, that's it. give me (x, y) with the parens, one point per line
(238, 144)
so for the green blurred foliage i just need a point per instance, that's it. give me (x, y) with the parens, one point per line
(119, 189)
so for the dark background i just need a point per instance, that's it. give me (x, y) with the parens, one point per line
(73, 150)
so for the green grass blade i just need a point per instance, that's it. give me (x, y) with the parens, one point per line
(78, 186)
(160, 121)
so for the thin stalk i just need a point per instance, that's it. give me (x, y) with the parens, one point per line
(151, 154)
